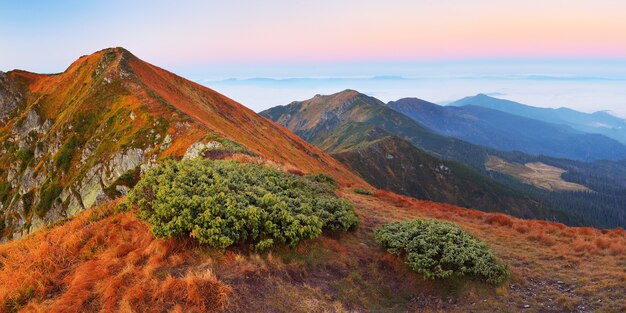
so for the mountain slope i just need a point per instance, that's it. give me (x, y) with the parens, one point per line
(595, 123)
(78, 138)
(315, 119)
(104, 259)
(392, 163)
(324, 121)
(350, 126)
(508, 132)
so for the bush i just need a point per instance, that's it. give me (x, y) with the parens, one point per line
(441, 250)
(222, 203)
(323, 179)
(362, 191)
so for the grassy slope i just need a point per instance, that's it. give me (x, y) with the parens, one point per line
(392, 163)
(105, 260)
(112, 101)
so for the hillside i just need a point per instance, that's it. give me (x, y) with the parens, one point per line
(82, 137)
(509, 132)
(596, 123)
(102, 260)
(392, 163)
(324, 121)
(75, 145)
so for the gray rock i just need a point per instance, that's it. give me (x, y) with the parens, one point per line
(10, 96)
(196, 149)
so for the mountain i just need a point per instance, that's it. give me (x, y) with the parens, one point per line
(65, 137)
(392, 163)
(81, 137)
(357, 129)
(595, 123)
(509, 132)
(325, 121)
(315, 119)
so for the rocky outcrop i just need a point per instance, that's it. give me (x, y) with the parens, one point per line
(196, 149)
(10, 96)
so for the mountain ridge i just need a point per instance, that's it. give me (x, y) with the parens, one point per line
(598, 122)
(509, 132)
(73, 139)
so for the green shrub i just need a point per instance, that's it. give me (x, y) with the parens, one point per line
(362, 191)
(441, 250)
(323, 179)
(222, 203)
(64, 157)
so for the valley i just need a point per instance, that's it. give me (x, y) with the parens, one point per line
(537, 174)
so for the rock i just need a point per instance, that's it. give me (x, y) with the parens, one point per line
(123, 190)
(526, 306)
(196, 149)
(91, 188)
(167, 141)
(10, 96)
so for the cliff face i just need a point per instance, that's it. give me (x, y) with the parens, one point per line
(81, 137)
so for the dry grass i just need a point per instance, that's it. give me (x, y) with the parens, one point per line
(110, 262)
(99, 261)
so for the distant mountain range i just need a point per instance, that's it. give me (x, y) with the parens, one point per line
(509, 132)
(349, 125)
(595, 123)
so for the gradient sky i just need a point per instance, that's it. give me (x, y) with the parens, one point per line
(212, 40)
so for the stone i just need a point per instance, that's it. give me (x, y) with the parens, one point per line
(196, 149)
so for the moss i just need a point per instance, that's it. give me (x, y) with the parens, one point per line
(25, 156)
(64, 157)
(128, 179)
(27, 200)
(48, 194)
(5, 188)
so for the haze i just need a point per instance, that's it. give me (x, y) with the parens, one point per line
(450, 48)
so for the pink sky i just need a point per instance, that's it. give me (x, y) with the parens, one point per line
(282, 31)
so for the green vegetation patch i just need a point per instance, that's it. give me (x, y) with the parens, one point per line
(49, 193)
(223, 203)
(324, 179)
(64, 157)
(362, 191)
(439, 249)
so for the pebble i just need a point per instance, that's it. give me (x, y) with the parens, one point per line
(526, 306)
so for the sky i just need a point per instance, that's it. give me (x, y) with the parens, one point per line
(444, 49)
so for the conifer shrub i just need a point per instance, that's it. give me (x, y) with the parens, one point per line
(439, 249)
(224, 203)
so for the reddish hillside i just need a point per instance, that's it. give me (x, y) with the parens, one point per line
(73, 136)
(72, 140)
(218, 113)
(106, 261)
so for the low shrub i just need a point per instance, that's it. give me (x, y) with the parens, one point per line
(222, 203)
(441, 250)
(362, 191)
(323, 179)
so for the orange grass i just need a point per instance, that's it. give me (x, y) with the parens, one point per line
(100, 262)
